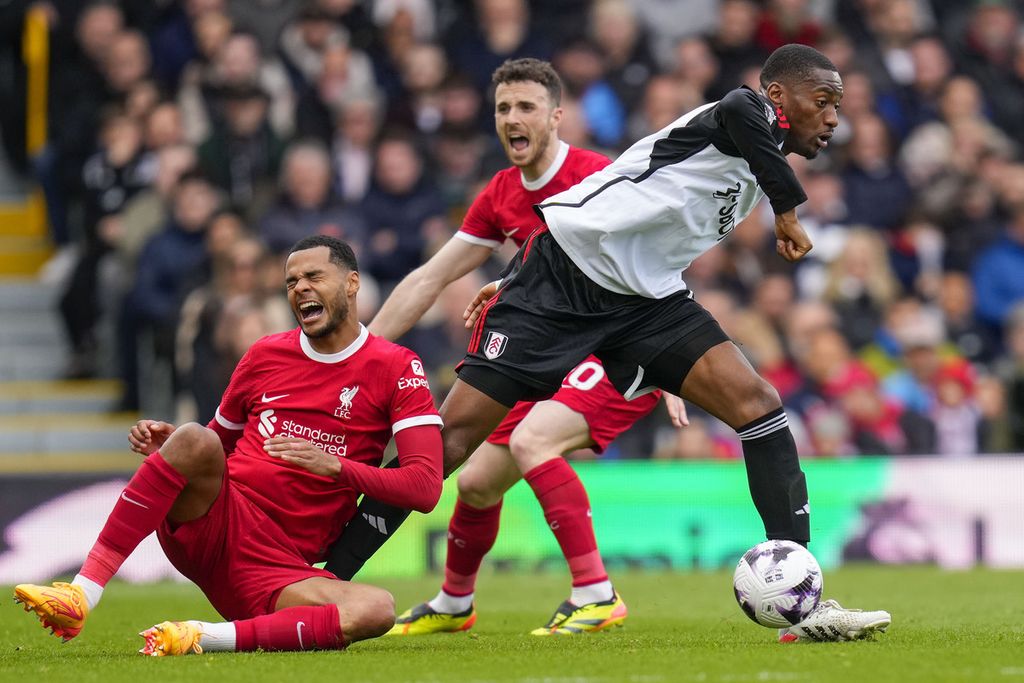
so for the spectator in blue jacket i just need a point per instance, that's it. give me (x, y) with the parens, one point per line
(167, 260)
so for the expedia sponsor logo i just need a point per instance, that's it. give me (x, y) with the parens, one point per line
(412, 383)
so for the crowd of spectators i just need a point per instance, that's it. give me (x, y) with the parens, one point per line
(192, 142)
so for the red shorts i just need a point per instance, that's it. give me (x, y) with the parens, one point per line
(237, 555)
(587, 391)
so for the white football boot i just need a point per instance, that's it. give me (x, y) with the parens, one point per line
(829, 622)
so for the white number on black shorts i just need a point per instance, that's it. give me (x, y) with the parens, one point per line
(585, 376)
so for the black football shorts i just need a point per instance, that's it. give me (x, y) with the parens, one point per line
(547, 316)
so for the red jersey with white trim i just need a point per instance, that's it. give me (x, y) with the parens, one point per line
(504, 209)
(348, 403)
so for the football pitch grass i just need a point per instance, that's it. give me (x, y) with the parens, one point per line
(947, 626)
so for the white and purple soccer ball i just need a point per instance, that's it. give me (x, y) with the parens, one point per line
(777, 583)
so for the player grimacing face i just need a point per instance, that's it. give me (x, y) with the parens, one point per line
(812, 108)
(527, 124)
(319, 291)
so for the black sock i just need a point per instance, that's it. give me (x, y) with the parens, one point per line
(777, 484)
(372, 525)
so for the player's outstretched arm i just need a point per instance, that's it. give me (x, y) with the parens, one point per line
(147, 436)
(791, 241)
(419, 289)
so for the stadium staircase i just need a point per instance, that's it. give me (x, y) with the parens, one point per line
(46, 423)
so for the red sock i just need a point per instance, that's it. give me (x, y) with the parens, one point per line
(471, 535)
(143, 505)
(295, 628)
(567, 509)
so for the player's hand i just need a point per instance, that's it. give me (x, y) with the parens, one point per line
(476, 306)
(147, 436)
(304, 454)
(676, 409)
(791, 241)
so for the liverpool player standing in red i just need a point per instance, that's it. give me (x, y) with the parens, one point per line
(245, 505)
(586, 412)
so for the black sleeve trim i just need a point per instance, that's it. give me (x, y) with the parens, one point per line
(743, 115)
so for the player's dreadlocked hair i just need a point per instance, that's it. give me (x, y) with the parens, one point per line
(341, 254)
(793, 63)
(530, 69)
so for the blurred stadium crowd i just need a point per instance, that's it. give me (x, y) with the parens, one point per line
(192, 142)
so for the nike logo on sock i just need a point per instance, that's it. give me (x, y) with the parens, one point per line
(133, 502)
(298, 629)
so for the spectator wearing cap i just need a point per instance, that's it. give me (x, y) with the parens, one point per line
(955, 413)
(243, 154)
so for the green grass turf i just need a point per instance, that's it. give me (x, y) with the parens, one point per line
(948, 626)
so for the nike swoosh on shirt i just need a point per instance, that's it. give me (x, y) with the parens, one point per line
(133, 502)
(508, 233)
(269, 399)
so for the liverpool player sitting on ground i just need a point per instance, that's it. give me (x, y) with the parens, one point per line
(244, 506)
(606, 276)
(585, 412)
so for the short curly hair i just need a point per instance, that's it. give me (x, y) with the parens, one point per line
(530, 69)
(793, 63)
(341, 253)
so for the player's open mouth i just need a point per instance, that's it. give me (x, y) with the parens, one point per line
(518, 142)
(310, 311)
(823, 139)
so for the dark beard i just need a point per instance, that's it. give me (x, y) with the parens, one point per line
(334, 322)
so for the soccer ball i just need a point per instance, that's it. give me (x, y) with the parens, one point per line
(777, 583)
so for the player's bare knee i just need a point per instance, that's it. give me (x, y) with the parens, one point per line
(192, 449)
(759, 400)
(373, 615)
(476, 491)
(530, 448)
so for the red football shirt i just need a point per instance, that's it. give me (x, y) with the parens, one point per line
(348, 403)
(504, 209)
